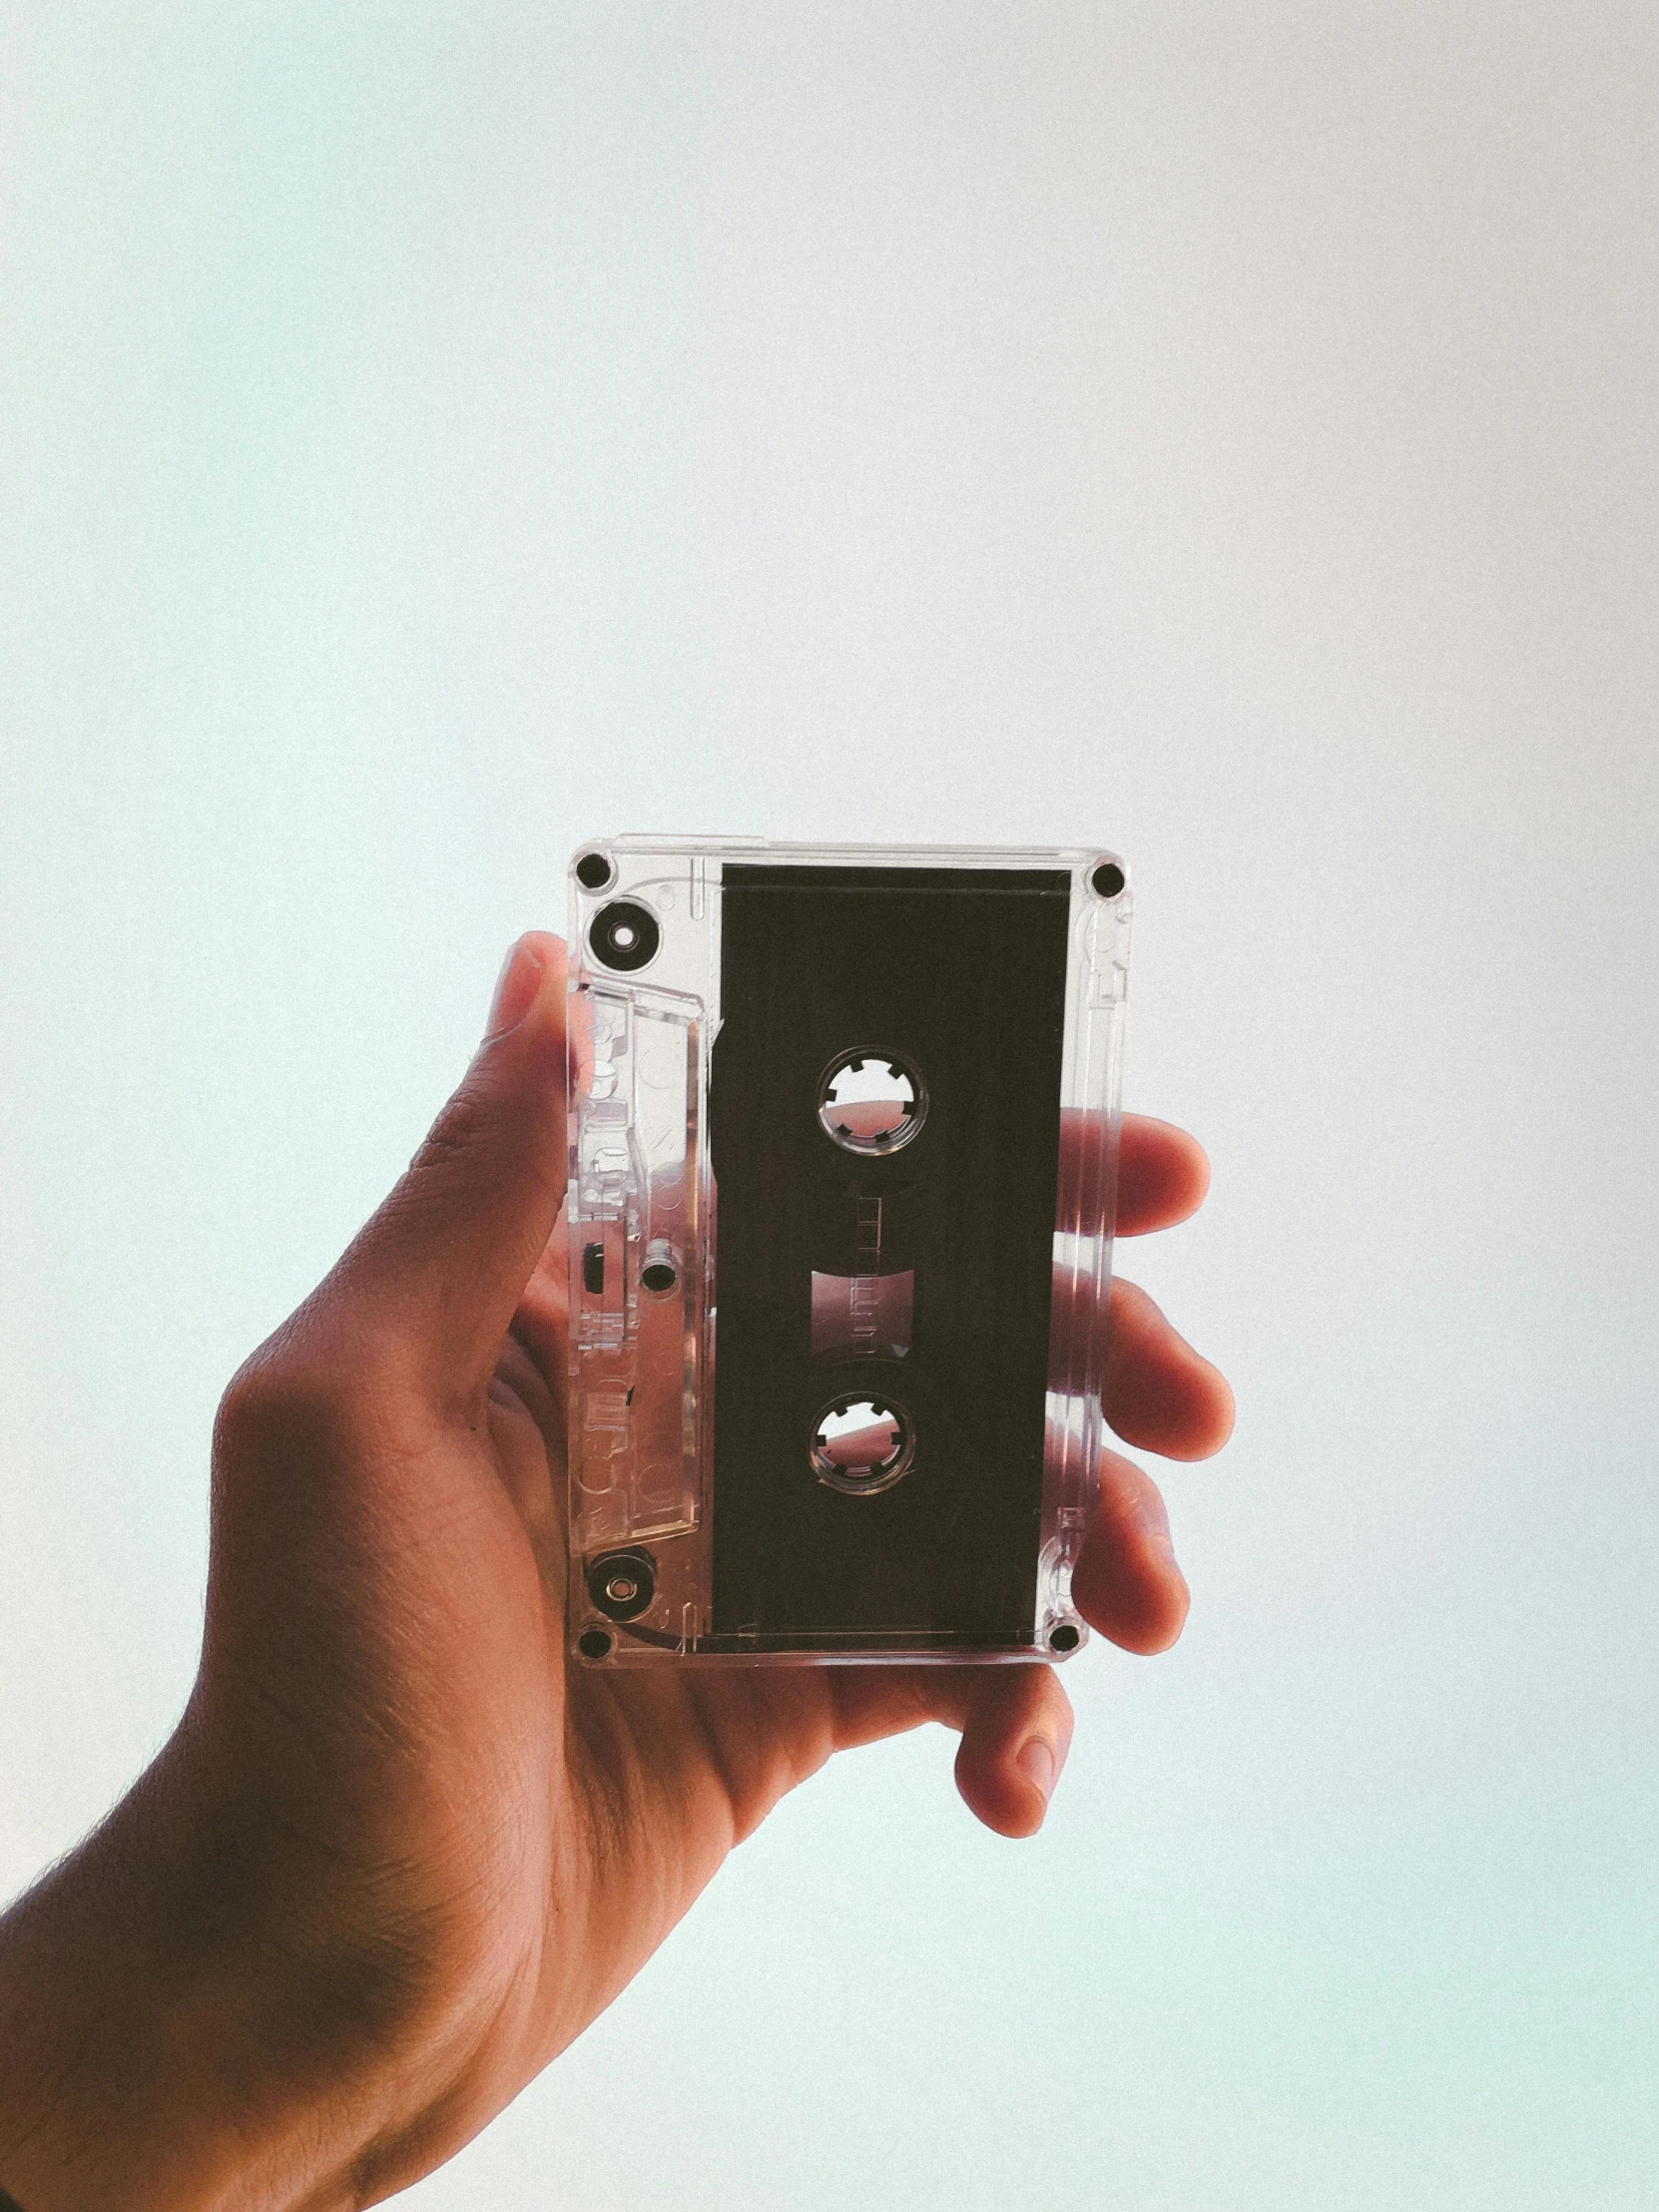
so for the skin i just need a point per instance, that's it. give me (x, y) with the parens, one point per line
(398, 1854)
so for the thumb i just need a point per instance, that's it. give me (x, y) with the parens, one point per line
(438, 1272)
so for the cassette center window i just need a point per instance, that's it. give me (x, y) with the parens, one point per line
(865, 1313)
(838, 1117)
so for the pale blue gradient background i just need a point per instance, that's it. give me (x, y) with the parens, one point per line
(434, 434)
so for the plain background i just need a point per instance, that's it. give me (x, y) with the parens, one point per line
(434, 434)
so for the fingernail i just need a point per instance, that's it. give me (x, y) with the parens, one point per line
(515, 988)
(1035, 1761)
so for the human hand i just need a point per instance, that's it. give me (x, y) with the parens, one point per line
(398, 1854)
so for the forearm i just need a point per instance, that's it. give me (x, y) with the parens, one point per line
(135, 2062)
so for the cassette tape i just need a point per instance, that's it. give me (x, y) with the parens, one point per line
(843, 1145)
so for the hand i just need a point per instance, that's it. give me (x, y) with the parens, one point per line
(397, 1854)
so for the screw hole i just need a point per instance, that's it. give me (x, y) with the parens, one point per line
(594, 1643)
(1064, 1638)
(658, 1277)
(594, 872)
(1108, 879)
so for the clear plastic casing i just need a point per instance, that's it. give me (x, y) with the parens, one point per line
(646, 1009)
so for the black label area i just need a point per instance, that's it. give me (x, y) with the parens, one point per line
(959, 975)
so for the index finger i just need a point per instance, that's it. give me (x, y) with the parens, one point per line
(1163, 1173)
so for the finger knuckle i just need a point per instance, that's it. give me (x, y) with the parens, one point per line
(462, 1127)
(306, 1387)
(463, 1151)
(274, 1393)
(1131, 1305)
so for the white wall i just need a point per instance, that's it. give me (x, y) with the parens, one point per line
(435, 433)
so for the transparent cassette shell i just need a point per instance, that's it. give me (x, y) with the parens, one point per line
(644, 1011)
